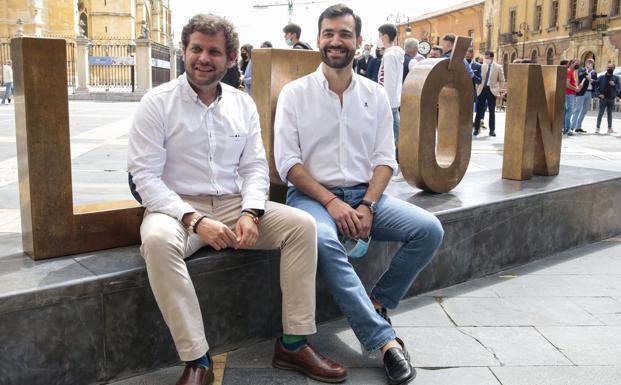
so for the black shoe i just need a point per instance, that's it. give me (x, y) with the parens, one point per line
(397, 365)
(581, 130)
(384, 314)
(492, 133)
(475, 133)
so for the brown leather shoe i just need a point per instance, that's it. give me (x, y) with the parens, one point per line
(196, 375)
(309, 362)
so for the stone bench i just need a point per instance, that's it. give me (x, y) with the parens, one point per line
(91, 318)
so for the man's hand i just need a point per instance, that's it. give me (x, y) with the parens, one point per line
(347, 219)
(216, 234)
(365, 221)
(247, 232)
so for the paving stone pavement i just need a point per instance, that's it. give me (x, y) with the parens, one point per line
(489, 331)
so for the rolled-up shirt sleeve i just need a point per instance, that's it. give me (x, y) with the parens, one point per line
(287, 152)
(384, 151)
(146, 158)
(253, 166)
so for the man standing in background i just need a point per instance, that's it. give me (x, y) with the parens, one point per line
(292, 37)
(391, 74)
(608, 89)
(7, 78)
(487, 91)
(412, 56)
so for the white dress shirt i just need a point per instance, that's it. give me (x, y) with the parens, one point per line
(7, 74)
(391, 74)
(339, 145)
(178, 145)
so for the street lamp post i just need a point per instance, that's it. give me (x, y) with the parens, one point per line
(400, 18)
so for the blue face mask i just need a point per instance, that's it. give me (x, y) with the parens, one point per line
(356, 248)
(289, 42)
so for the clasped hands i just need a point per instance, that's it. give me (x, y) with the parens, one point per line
(217, 235)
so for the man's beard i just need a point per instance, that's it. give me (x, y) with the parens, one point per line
(337, 63)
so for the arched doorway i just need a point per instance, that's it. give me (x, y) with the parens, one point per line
(534, 57)
(587, 55)
(550, 56)
(513, 56)
(505, 63)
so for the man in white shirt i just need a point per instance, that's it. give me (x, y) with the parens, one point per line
(334, 146)
(391, 74)
(7, 78)
(191, 140)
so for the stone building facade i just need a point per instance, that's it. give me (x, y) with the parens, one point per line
(547, 31)
(98, 19)
(464, 19)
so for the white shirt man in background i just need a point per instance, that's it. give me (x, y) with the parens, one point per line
(7, 78)
(391, 74)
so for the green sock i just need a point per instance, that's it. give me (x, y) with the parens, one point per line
(293, 343)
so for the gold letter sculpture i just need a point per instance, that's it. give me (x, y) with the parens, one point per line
(272, 69)
(534, 126)
(51, 225)
(437, 93)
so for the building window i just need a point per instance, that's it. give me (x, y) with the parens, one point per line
(615, 7)
(550, 57)
(573, 9)
(471, 35)
(594, 7)
(534, 57)
(512, 13)
(538, 14)
(554, 14)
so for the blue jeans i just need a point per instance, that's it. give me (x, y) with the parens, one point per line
(8, 91)
(609, 105)
(396, 124)
(583, 103)
(395, 220)
(570, 100)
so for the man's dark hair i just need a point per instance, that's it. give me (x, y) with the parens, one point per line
(211, 25)
(449, 37)
(339, 10)
(267, 44)
(489, 53)
(388, 29)
(293, 28)
(437, 48)
(470, 50)
(564, 62)
(247, 48)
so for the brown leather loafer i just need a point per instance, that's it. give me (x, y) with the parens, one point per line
(196, 375)
(308, 362)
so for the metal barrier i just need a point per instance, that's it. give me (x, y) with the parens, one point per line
(111, 65)
(160, 64)
(5, 54)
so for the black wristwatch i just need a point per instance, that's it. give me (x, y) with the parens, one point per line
(370, 204)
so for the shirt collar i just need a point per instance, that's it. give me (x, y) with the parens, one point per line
(323, 82)
(189, 92)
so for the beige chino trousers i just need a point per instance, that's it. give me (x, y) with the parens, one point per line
(166, 243)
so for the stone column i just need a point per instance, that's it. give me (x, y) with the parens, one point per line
(81, 46)
(173, 62)
(143, 65)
